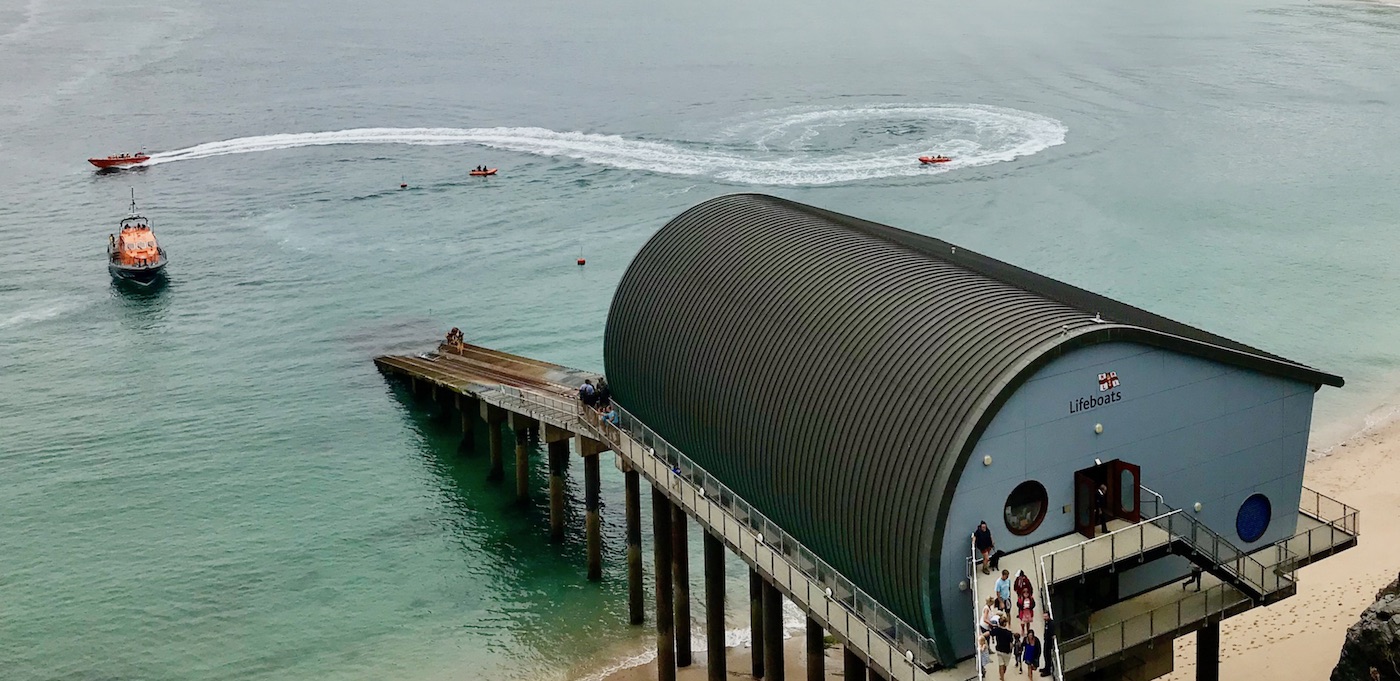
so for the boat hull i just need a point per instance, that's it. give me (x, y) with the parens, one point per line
(116, 162)
(145, 275)
(930, 160)
(482, 173)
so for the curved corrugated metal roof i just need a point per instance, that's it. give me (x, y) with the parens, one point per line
(836, 372)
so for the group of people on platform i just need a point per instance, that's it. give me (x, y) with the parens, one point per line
(599, 398)
(456, 339)
(994, 636)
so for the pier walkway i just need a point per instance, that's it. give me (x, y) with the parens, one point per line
(525, 393)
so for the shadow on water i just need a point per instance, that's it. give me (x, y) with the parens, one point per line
(553, 607)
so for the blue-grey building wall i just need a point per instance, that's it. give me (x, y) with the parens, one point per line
(1200, 430)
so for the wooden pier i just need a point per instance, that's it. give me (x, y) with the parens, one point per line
(493, 389)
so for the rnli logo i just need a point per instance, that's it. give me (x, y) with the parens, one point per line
(1108, 394)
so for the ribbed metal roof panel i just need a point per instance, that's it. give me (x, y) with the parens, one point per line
(836, 372)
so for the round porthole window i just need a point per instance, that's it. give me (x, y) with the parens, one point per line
(1026, 507)
(1253, 519)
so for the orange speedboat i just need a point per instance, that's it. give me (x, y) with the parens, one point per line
(926, 160)
(132, 253)
(119, 160)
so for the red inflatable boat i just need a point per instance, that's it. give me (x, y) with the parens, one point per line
(934, 159)
(119, 160)
(482, 173)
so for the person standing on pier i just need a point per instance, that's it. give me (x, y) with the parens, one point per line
(587, 394)
(1048, 644)
(1101, 507)
(982, 540)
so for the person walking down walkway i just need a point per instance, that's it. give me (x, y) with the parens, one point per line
(1002, 640)
(1030, 654)
(1003, 588)
(1022, 585)
(982, 540)
(1025, 611)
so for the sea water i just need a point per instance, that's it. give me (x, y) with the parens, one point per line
(211, 481)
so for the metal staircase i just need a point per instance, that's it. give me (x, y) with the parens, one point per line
(1264, 575)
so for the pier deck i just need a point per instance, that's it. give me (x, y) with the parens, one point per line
(507, 387)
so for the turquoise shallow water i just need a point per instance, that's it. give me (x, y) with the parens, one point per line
(213, 482)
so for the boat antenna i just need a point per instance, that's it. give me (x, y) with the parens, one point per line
(133, 200)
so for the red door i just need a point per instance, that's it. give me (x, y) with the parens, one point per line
(1126, 490)
(1084, 487)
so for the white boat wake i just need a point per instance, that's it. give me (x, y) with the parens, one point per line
(790, 148)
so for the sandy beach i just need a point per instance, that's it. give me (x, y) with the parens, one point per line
(1298, 638)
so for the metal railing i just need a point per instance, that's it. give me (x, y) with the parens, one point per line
(1328, 510)
(899, 636)
(977, 606)
(1057, 664)
(1168, 619)
(918, 648)
(1340, 525)
(1262, 579)
(1123, 543)
(1165, 526)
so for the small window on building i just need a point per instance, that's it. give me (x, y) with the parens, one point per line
(1253, 519)
(1026, 507)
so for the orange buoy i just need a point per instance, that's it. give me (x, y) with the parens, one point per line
(582, 262)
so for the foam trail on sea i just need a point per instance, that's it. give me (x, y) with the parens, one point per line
(974, 135)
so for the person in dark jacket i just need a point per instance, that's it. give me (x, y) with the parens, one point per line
(1101, 507)
(1030, 654)
(587, 394)
(982, 541)
(603, 393)
(1048, 644)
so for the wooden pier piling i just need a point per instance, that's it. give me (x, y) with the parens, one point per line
(494, 416)
(593, 523)
(636, 606)
(816, 651)
(852, 667)
(773, 633)
(467, 408)
(680, 560)
(756, 628)
(557, 443)
(665, 610)
(520, 427)
(714, 607)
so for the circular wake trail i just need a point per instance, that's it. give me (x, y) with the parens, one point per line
(791, 148)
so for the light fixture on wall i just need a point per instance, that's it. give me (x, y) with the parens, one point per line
(1197, 507)
(987, 460)
(1097, 462)
(1098, 428)
(962, 586)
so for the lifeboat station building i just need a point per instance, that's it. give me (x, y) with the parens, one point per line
(877, 394)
